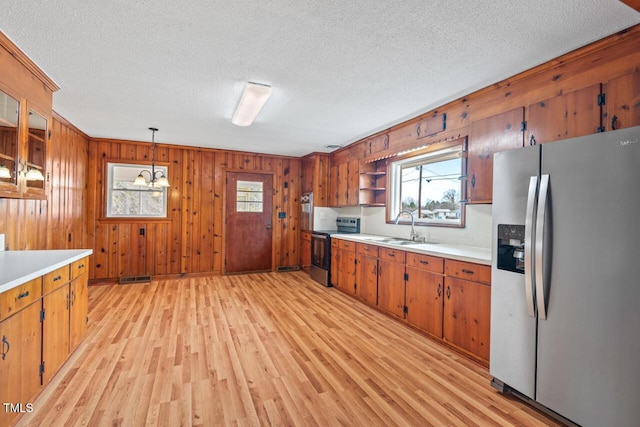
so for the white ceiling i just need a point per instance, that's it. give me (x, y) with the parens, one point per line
(340, 70)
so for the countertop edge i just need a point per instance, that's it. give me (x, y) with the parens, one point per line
(361, 238)
(73, 255)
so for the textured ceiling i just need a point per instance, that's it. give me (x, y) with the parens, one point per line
(340, 70)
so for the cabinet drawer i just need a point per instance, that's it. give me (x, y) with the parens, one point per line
(347, 245)
(55, 279)
(468, 271)
(335, 243)
(370, 250)
(425, 262)
(79, 267)
(16, 299)
(392, 255)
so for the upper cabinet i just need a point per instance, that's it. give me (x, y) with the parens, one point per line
(569, 115)
(9, 110)
(315, 177)
(488, 136)
(623, 102)
(26, 95)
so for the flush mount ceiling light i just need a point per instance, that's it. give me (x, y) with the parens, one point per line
(333, 146)
(253, 99)
(154, 179)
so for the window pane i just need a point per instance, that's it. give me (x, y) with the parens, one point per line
(429, 186)
(249, 196)
(128, 200)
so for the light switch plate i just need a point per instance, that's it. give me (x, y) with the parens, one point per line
(1, 242)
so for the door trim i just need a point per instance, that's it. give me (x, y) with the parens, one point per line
(223, 249)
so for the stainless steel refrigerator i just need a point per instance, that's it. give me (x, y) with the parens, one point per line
(565, 296)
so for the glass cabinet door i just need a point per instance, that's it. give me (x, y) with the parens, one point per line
(9, 109)
(36, 151)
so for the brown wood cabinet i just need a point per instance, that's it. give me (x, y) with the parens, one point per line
(565, 116)
(623, 102)
(24, 82)
(488, 136)
(78, 310)
(424, 292)
(467, 308)
(20, 348)
(315, 177)
(55, 330)
(367, 273)
(447, 299)
(41, 323)
(344, 184)
(391, 281)
(343, 265)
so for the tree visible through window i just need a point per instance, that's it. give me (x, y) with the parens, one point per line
(127, 200)
(430, 187)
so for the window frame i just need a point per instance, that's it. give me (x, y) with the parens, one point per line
(410, 156)
(107, 179)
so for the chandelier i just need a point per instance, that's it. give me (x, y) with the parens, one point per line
(157, 178)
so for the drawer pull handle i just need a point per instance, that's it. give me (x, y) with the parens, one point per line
(5, 342)
(464, 270)
(22, 295)
(391, 254)
(55, 279)
(80, 266)
(424, 262)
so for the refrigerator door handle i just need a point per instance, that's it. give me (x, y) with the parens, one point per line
(541, 223)
(529, 233)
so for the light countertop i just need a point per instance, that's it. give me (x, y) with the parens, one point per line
(18, 267)
(445, 250)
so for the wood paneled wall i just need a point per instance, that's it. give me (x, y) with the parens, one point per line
(191, 239)
(60, 221)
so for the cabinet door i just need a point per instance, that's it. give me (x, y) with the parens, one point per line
(55, 331)
(623, 102)
(391, 287)
(565, 116)
(347, 273)
(20, 346)
(367, 279)
(79, 306)
(334, 186)
(424, 293)
(334, 273)
(343, 184)
(491, 135)
(467, 312)
(353, 183)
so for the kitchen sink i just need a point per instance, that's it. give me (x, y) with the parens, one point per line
(397, 241)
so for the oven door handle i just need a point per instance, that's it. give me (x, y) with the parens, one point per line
(319, 236)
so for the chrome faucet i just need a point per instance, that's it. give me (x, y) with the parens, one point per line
(413, 235)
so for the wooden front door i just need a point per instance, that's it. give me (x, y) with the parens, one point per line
(249, 216)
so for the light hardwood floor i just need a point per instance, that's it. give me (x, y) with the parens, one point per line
(261, 349)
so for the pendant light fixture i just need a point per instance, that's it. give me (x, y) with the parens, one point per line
(157, 178)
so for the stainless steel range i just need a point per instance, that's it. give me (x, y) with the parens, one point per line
(321, 247)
